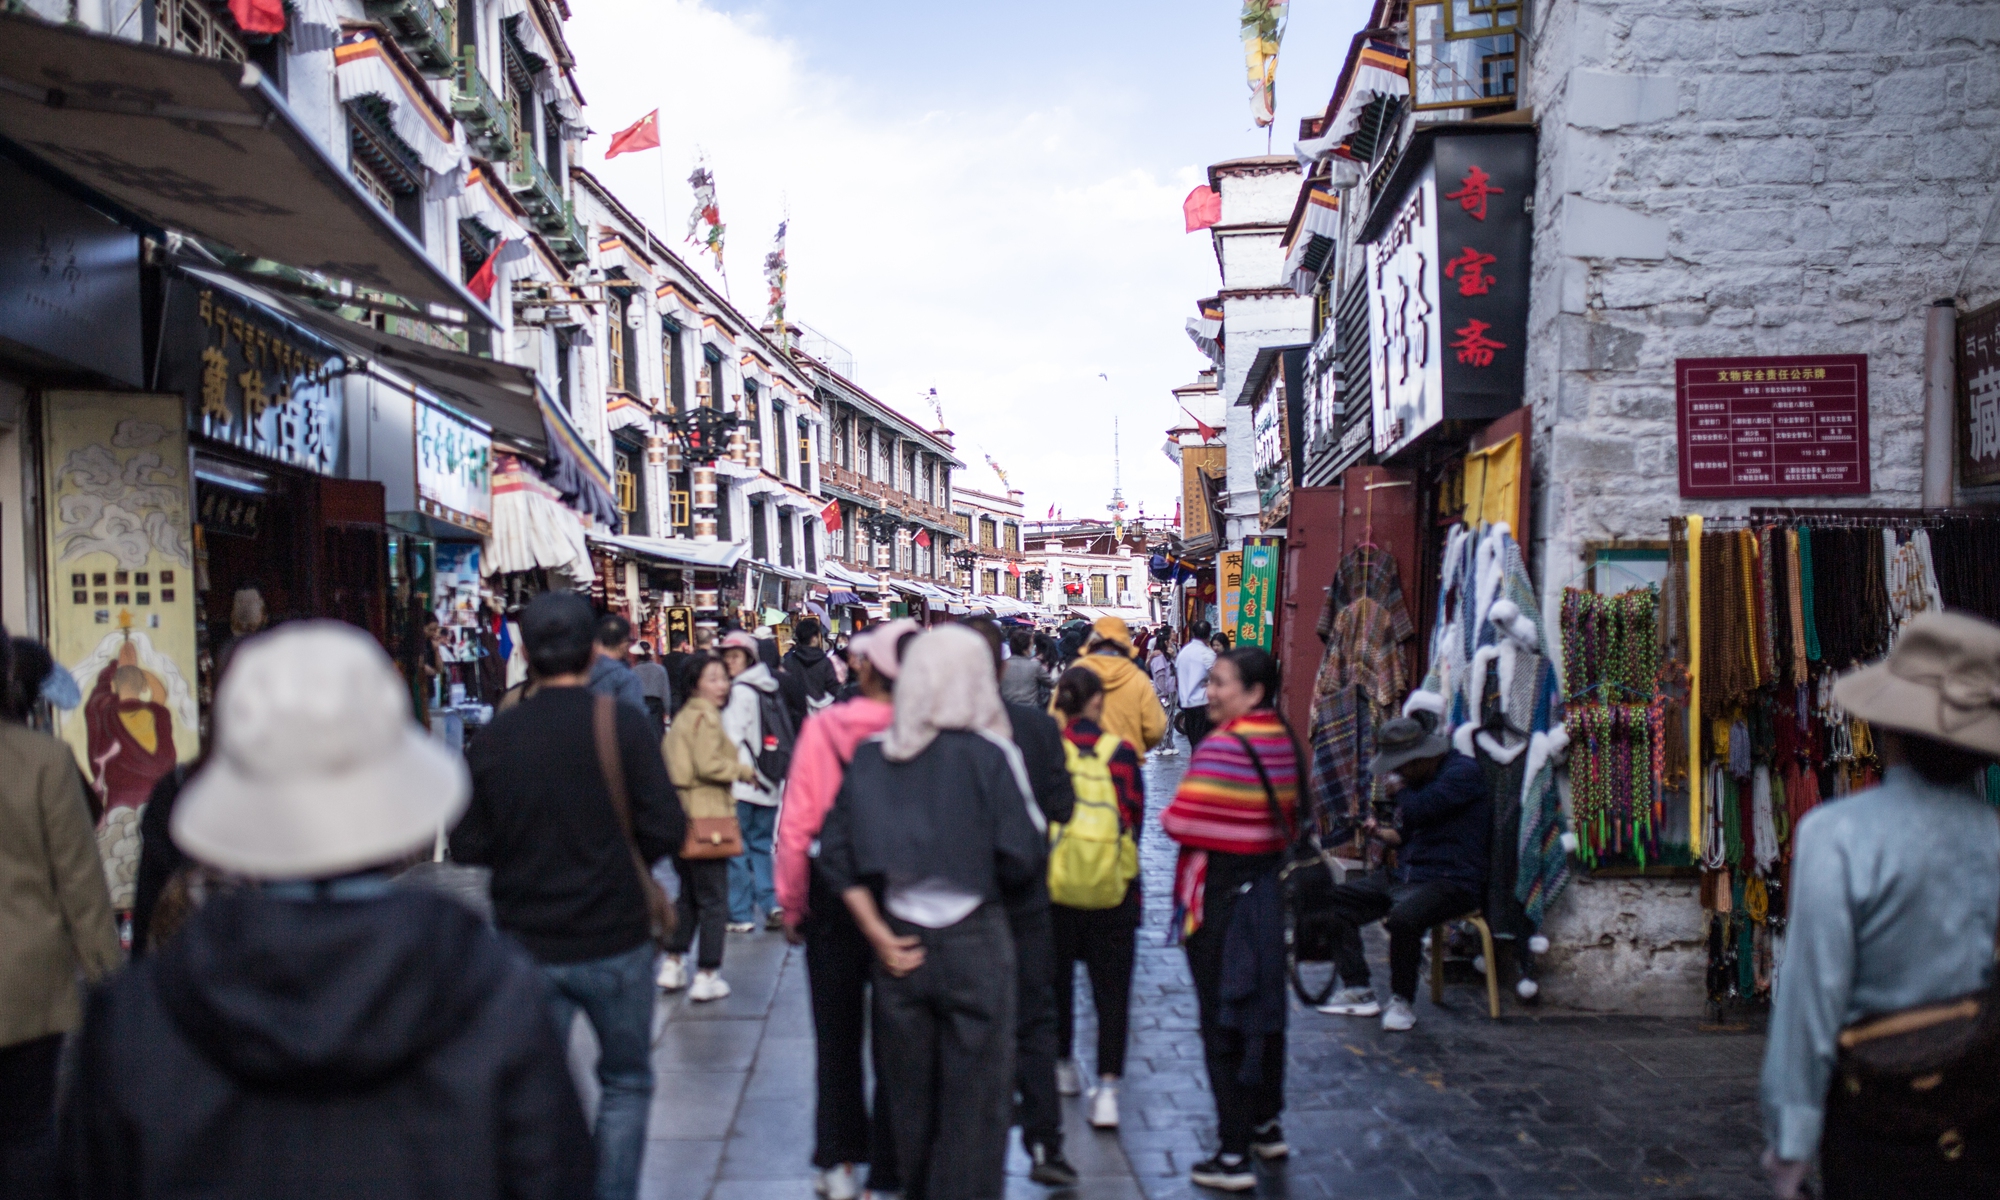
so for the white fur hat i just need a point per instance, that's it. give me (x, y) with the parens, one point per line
(317, 767)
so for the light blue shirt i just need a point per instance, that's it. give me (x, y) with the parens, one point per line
(1895, 892)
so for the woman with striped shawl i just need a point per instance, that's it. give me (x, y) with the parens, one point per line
(1233, 815)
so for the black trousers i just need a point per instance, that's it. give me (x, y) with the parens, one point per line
(703, 907)
(1195, 723)
(1238, 1109)
(1406, 910)
(947, 1036)
(28, 1118)
(1105, 941)
(838, 963)
(1040, 1112)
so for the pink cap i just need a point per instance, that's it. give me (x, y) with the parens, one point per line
(878, 643)
(736, 639)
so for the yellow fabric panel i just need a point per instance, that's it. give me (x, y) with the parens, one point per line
(1493, 484)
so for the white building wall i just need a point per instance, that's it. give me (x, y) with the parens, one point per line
(1762, 179)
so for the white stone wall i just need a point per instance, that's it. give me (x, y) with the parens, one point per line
(1255, 191)
(1735, 178)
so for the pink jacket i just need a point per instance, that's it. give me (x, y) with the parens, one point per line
(819, 762)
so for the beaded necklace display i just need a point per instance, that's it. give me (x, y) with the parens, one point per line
(1614, 717)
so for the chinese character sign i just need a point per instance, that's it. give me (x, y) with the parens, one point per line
(1229, 576)
(1979, 397)
(1257, 609)
(1754, 427)
(1448, 287)
(252, 380)
(454, 469)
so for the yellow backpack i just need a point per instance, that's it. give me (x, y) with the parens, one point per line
(1092, 857)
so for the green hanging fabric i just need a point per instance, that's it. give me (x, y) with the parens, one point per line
(1806, 593)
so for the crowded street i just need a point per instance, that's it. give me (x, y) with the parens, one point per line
(1306, 599)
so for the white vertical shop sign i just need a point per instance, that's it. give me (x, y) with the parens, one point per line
(1406, 342)
(454, 469)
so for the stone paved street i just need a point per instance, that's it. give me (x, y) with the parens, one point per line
(1536, 1104)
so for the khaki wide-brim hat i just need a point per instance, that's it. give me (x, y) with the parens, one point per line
(318, 768)
(1941, 681)
(1114, 630)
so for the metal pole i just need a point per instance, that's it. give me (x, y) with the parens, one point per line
(1940, 386)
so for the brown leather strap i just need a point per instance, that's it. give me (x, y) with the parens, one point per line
(604, 720)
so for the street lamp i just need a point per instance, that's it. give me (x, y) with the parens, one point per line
(702, 433)
(1034, 579)
(966, 558)
(882, 526)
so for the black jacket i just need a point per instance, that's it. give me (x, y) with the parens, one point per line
(1040, 741)
(1447, 827)
(953, 812)
(541, 817)
(388, 1047)
(813, 667)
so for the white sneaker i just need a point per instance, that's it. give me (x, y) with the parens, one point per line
(1352, 1002)
(1068, 1082)
(838, 1183)
(1398, 1016)
(673, 973)
(1104, 1106)
(708, 986)
(740, 927)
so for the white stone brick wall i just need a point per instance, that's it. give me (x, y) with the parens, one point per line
(1732, 177)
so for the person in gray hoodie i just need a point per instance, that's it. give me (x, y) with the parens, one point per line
(753, 898)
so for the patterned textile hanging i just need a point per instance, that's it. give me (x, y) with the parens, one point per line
(1363, 676)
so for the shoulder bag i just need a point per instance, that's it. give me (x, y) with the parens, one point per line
(1306, 879)
(712, 837)
(604, 721)
(1927, 1078)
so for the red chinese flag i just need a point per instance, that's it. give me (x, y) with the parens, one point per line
(481, 283)
(1202, 208)
(1014, 569)
(258, 16)
(830, 516)
(643, 134)
(923, 538)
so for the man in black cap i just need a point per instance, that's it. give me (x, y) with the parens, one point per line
(1445, 834)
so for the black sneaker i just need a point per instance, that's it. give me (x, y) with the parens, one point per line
(1051, 1169)
(1225, 1172)
(1267, 1141)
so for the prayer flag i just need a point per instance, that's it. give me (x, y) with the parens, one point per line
(1202, 208)
(1263, 28)
(258, 16)
(643, 134)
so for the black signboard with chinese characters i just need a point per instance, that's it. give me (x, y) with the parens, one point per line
(1448, 260)
(1979, 397)
(69, 279)
(251, 379)
(1787, 426)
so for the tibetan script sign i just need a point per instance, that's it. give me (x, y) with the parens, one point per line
(1758, 427)
(1979, 397)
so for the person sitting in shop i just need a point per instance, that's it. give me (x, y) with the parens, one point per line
(1444, 837)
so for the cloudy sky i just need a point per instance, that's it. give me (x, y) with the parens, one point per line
(984, 198)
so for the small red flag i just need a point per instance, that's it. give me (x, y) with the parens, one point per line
(1208, 432)
(643, 134)
(482, 281)
(258, 16)
(1202, 208)
(830, 516)
(923, 537)
(1014, 569)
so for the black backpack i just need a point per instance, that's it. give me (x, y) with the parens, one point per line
(774, 757)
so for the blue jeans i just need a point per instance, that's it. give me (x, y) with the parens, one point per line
(751, 894)
(616, 995)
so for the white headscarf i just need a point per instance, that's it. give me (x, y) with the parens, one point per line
(946, 682)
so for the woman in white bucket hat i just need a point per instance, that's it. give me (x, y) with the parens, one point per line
(1895, 892)
(320, 1024)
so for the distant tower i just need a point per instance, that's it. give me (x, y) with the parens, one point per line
(1117, 505)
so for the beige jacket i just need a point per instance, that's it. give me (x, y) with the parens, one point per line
(55, 910)
(702, 761)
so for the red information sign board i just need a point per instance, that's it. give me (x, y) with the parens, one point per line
(1753, 427)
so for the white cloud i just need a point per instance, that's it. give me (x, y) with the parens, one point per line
(1004, 255)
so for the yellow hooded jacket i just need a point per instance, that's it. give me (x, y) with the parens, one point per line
(1131, 708)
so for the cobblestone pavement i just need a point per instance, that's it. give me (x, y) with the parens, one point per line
(1535, 1104)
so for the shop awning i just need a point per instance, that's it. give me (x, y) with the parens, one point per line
(500, 394)
(570, 466)
(531, 528)
(715, 556)
(209, 148)
(836, 573)
(837, 596)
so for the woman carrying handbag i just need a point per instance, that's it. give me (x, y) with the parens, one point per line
(703, 763)
(1884, 1050)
